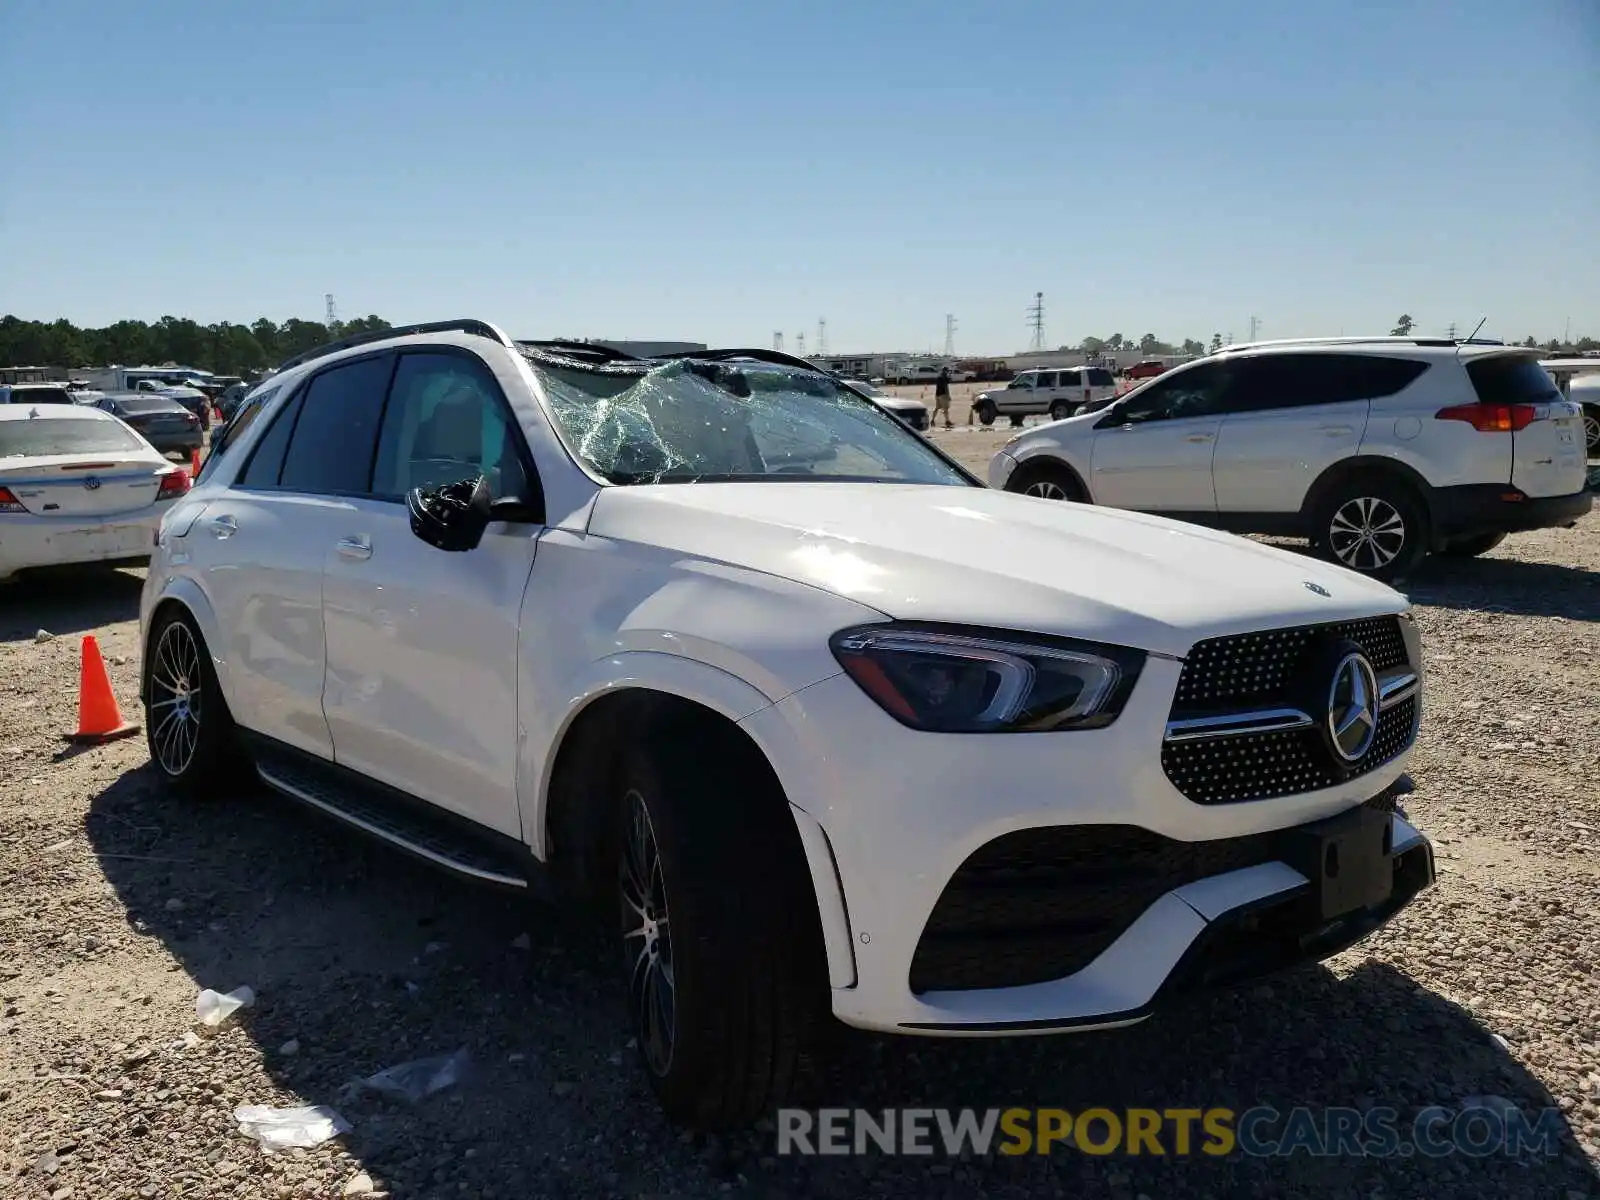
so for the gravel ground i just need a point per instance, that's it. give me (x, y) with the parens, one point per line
(117, 904)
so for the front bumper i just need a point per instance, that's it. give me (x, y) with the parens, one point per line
(1482, 508)
(898, 813)
(1001, 467)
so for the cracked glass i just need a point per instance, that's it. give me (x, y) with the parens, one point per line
(692, 421)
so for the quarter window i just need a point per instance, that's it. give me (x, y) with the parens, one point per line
(330, 450)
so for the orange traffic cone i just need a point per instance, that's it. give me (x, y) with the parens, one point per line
(99, 718)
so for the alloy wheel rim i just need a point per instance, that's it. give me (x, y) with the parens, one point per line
(175, 699)
(647, 937)
(1367, 533)
(1591, 432)
(1045, 490)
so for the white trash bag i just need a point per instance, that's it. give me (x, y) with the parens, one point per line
(288, 1128)
(211, 1008)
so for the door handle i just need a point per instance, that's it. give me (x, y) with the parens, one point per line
(1201, 437)
(355, 547)
(224, 527)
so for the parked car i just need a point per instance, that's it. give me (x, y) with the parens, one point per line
(162, 421)
(1059, 391)
(1578, 377)
(913, 412)
(195, 400)
(35, 393)
(1147, 368)
(77, 486)
(1378, 451)
(819, 723)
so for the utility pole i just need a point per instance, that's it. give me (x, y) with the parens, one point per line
(949, 336)
(1036, 322)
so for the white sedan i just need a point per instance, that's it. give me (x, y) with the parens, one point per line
(78, 486)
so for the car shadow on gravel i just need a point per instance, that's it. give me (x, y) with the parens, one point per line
(67, 600)
(367, 960)
(1508, 585)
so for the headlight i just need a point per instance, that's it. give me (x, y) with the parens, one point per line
(947, 680)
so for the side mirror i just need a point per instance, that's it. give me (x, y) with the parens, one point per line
(452, 517)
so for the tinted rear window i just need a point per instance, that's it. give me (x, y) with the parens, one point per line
(41, 396)
(1510, 379)
(46, 436)
(151, 404)
(1099, 377)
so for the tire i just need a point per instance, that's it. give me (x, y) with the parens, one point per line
(1591, 430)
(726, 973)
(1046, 480)
(1060, 410)
(1372, 524)
(1016, 422)
(194, 745)
(1471, 547)
(985, 412)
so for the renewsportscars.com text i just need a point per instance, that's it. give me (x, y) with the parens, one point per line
(1475, 1129)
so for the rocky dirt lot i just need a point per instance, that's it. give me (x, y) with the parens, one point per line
(117, 904)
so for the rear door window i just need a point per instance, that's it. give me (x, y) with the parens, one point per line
(1046, 380)
(1278, 381)
(336, 433)
(1511, 379)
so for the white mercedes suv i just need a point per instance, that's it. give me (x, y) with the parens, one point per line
(1377, 450)
(825, 727)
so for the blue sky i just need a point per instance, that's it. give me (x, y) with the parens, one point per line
(718, 171)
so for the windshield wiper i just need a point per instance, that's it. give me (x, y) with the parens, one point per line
(776, 357)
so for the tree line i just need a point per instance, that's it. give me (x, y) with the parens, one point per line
(225, 348)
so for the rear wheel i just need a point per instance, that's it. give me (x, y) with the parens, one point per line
(726, 974)
(192, 739)
(1060, 410)
(1046, 481)
(1591, 430)
(1373, 525)
(1471, 547)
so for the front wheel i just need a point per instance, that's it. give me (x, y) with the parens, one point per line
(1375, 526)
(986, 412)
(1591, 430)
(1046, 481)
(726, 974)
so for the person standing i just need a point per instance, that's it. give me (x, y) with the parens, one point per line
(941, 398)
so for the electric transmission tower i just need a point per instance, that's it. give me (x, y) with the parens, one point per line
(777, 339)
(822, 335)
(949, 336)
(800, 344)
(1451, 332)
(1036, 321)
(1255, 326)
(332, 318)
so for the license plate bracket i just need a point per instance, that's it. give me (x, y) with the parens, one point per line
(1347, 859)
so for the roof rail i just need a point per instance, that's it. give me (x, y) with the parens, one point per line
(460, 325)
(777, 357)
(1391, 339)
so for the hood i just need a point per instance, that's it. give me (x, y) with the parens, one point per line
(976, 556)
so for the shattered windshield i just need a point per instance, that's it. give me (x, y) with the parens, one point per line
(692, 421)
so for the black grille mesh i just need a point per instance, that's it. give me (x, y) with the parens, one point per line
(1042, 903)
(1256, 670)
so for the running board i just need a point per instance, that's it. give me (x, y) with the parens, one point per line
(404, 822)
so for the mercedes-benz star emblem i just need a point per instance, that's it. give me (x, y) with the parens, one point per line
(91, 482)
(1317, 588)
(1353, 707)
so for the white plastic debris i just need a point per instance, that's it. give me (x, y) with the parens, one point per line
(412, 1081)
(288, 1128)
(44, 635)
(211, 1008)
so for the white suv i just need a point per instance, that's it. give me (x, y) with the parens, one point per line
(1377, 450)
(1057, 391)
(827, 728)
